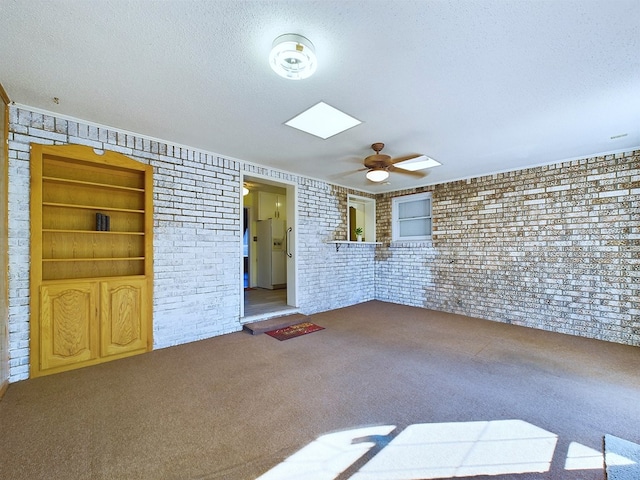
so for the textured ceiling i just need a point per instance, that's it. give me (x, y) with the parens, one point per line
(482, 86)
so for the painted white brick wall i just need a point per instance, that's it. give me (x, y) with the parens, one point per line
(19, 229)
(196, 235)
(196, 245)
(196, 231)
(553, 248)
(327, 279)
(404, 273)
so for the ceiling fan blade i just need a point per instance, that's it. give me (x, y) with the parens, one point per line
(417, 173)
(350, 172)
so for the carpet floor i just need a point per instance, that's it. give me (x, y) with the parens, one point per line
(394, 387)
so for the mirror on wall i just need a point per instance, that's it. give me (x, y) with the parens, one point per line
(361, 213)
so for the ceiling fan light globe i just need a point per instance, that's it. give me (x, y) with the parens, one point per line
(377, 175)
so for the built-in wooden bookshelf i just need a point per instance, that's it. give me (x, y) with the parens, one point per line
(91, 257)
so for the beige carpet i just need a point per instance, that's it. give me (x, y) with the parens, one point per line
(235, 407)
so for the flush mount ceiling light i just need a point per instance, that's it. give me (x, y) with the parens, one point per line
(323, 121)
(293, 57)
(377, 175)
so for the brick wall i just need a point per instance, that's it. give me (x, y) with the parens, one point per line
(326, 279)
(554, 247)
(332, 279)
(196, 231)
(197, 244)
(18, 230)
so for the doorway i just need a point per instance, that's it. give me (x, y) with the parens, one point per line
(268, 279)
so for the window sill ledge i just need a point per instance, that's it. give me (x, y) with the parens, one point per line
(410, 243)
(339, 243)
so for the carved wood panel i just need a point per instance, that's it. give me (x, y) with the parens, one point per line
(122, 316)
(68, 332)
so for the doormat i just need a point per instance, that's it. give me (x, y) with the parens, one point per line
(294, 331)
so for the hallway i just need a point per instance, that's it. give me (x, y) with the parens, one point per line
(258, 301)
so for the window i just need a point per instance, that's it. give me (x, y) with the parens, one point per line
(411, 217)
(362, 214)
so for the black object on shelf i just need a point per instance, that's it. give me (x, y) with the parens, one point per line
(103, 223)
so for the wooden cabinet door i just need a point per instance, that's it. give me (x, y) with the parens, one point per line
(266, 205)
(68, 324)
(271, 205)
(123, 316)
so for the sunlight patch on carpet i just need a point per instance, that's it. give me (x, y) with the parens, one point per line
(425, 451)
(446, 450)
(622, 458)
(581, 457)
(328, 456)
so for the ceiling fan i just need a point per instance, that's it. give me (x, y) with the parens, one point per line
(379, 165)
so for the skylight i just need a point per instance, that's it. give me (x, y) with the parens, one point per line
(418, 163)
(323, 121)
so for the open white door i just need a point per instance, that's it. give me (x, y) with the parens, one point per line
(261, 184)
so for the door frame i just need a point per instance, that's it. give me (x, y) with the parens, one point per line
(250, 269)
(4, 241)
(291, 236)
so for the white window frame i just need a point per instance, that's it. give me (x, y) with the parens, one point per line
(395, 217)
(367, 209)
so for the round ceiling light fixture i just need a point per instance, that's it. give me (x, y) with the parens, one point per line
(377, 175)
(293, 57)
